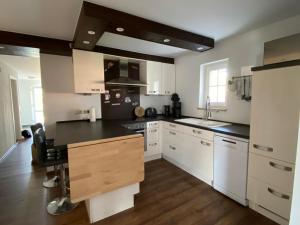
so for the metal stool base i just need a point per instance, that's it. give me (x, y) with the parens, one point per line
(60, 206)
(51, 183)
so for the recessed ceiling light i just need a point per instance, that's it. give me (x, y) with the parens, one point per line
(91, 32)
(86, 42)
(167, 40)
(120, 29)
(200, 48)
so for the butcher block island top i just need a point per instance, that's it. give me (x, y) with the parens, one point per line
(106, 162)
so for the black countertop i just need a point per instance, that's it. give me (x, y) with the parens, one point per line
(70, 132)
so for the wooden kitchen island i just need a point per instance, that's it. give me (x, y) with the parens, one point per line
(106, 165)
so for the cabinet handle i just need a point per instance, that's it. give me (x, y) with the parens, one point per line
(172, 125)
(278, 194)
(263, 148)
(280, 167)
(171, 147)
(173, 133)
(231, 142)
(154, 144)
(205, 143)
(197, 131)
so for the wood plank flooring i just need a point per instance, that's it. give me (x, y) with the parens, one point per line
(168, 196)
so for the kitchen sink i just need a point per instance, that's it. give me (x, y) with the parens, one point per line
(203, 123)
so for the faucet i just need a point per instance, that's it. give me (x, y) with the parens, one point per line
(207, 109)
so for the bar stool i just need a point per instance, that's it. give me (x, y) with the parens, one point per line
(53, 182)
(58, 158)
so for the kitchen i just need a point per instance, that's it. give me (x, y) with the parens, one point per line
(222, 119)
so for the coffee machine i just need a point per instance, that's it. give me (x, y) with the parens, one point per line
(176, 109)
(167, 110)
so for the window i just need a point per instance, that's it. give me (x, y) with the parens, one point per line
(214, 83)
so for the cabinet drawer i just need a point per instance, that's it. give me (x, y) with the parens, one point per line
(276, 173)
(173, 126)
(273, 151)
(269, 197)
(172, 144)
(152, 148)
(154, 124)
(208, 135)
(152, 134)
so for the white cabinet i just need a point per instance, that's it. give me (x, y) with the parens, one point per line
(160, 78)
(151, 73)
(271, 198)
(198, 158)
(275, 113)
(273, 140)
(168, 79)
(172, 145)
(152, 139)
(88, 72)
(191, 153)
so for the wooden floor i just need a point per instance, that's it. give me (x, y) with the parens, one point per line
(168, 196)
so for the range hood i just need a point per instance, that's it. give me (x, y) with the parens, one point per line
(124, 80)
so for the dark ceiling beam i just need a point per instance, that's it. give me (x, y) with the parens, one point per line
(30, 46)
(134, 55)
(138, 27)
(45, 45)
(89, 29)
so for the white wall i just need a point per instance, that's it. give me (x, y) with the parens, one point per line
(157, 102)
(60, 102)
(25, 100)
(242, 50)
(7, 133)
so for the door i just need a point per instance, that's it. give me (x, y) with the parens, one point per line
(199, 159)
(154, 76)
(15, 107)
(168, 79)
(275, 113)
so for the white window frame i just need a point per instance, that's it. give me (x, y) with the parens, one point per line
(204, 83)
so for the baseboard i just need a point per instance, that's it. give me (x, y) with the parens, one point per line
(152, 157)
(8, 151)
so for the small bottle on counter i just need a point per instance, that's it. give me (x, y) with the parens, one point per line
(92, 114)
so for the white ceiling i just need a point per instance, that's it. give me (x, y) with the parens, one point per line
(25, 66)
(213, 18)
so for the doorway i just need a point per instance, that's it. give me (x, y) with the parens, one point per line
(15, 108)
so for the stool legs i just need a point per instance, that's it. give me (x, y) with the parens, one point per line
(53, 182)
(62, 204)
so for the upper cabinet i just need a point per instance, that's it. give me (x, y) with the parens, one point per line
(160, 78)
(168, 79)
(88, 72)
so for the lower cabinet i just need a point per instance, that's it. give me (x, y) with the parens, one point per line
(190, 153)
(272, 198)
(199, 158)
(152, 141)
